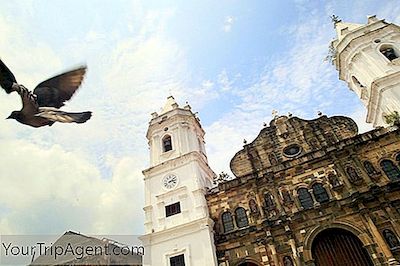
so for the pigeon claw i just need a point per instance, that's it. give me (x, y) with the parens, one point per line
(15, 87)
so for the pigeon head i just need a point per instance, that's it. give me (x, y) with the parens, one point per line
(14, 115)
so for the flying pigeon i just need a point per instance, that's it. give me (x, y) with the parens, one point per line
(41, 107)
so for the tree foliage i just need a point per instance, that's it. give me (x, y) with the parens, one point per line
(393, 118)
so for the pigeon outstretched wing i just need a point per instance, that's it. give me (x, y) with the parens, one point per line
(7, 78)
(55, 91)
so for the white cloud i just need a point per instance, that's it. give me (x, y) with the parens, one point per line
(225, 82)
(228, 23)
(299, 81)
(82, 177)
(223, 141)
(50, 190)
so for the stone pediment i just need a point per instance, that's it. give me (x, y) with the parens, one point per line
(287, 138)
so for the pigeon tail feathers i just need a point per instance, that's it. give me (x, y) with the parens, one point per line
(81, 117)
(56, 115)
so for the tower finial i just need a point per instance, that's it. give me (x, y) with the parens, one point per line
(335, 19)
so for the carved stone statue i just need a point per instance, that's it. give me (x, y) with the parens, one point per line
(253, 207)
(370, 169)
(269, 200)
(287, 261)
(334, 180)
(286, 196)
(390, 238)
(314, 144)
(272, 159)
(353, 175)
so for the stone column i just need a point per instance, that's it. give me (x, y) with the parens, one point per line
(260, 208)
(296, 257)
(276, 196)
(328, 190)
(316, 203)
(275, 258)
(297, 201)
(234, 220)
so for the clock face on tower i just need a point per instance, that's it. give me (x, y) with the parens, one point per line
(170, 181)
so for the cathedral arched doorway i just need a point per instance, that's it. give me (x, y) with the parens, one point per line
(247, 264)
(338, 247)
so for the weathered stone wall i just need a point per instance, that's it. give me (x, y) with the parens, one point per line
(267, 150)
(359, 199)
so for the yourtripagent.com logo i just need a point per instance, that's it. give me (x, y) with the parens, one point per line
(72, 249)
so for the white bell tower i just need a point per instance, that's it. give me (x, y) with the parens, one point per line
(367, 58)
(178, 229)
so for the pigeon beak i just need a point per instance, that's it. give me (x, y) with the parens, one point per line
(9, 117)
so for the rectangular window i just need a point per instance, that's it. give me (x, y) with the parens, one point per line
(177, 260)
(172, 209)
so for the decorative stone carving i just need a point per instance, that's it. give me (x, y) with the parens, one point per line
(287, 261)
(282, 132)
(254, 207)
(334, 180)
(370, 169)
(391, 238)
(286, 196)
(353, 175)
(272, 159)
(269, 201)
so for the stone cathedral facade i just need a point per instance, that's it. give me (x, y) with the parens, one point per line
(304, 192)
(311, 193)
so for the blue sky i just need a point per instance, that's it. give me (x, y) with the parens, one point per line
(233, 61)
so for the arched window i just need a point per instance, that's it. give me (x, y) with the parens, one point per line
(269, 201)
(391, 170)
(320, 193)
(241, 217)
(369, 168)
(227, 222)
(353, 175)
(167, 143)
(391, 238)
(389, 52)
(305, 198)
